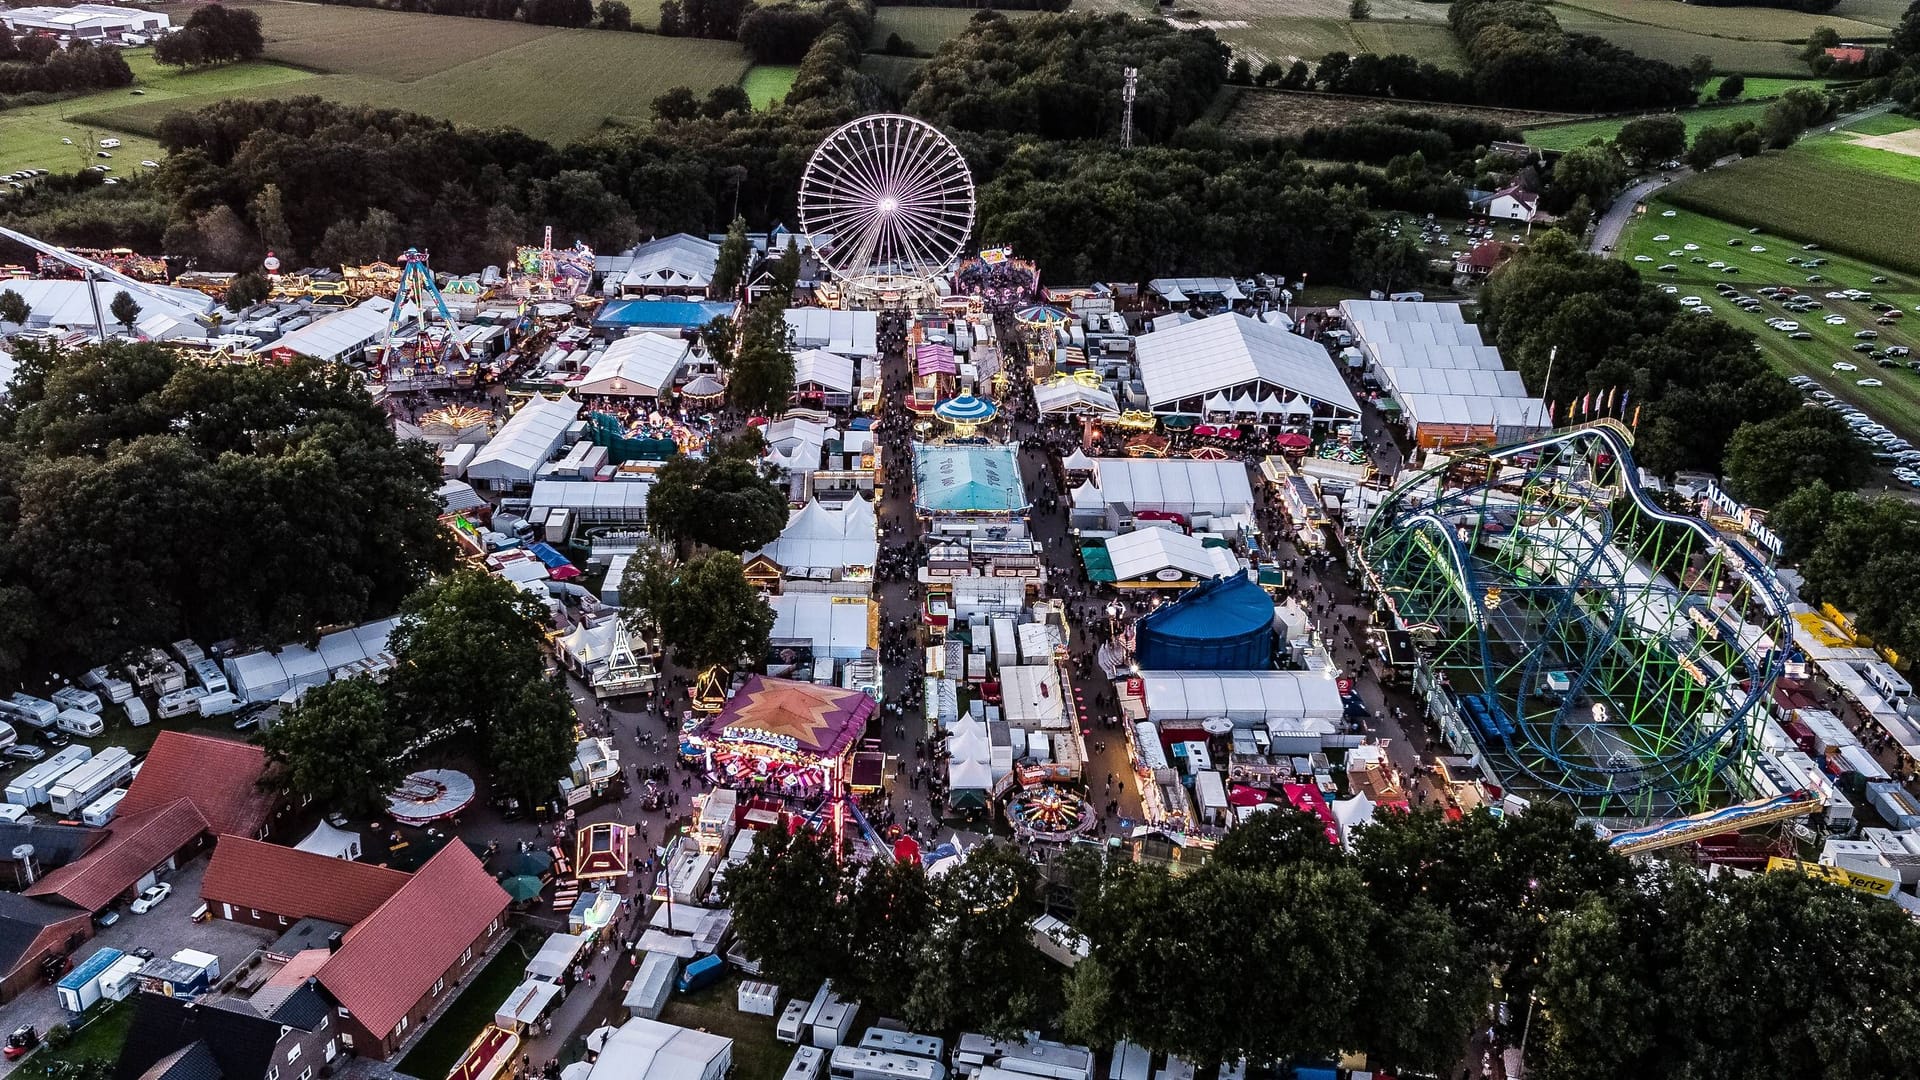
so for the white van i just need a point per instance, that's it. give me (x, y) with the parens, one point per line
(137, 713)
(33, 711)
(80, 722)
(217, 704)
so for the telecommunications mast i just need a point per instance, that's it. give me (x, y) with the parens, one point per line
(1126, 117)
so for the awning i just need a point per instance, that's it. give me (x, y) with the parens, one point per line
(526, 1004)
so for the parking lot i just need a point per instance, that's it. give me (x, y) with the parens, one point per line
(165, 930)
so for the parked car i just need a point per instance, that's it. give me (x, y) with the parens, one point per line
(24, 752)
(152, 898)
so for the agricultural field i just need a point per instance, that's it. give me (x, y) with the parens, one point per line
(891, 72)
(767, 84)
(1677, 46)
(558, 85)
(31, 136)
(1895, 404)
(1808, 195)
(1751, 104)
(926, 27)
(1883, 13)
(1281, 31)
(1282, 112)
(1745, 23)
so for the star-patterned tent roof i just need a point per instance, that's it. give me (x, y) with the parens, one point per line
(818, 720)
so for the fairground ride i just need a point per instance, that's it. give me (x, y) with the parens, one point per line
(97, 274)
(1596, 648)
(435, 340)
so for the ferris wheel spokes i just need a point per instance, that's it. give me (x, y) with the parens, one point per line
(892, 199)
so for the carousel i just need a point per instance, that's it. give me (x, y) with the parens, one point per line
(966, 413)
(1041, 320)
(790, 738)
(705, 391)
(1049, 812)
(430, 795)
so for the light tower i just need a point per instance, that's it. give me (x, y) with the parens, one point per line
(1126, 116)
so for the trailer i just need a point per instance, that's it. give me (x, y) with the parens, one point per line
(32, 711)
(73, 697)
(904, 1042)
(122, 979)
(99, 813)
(30, 788)
(90, 781)
(81, 987)
(854, 1063)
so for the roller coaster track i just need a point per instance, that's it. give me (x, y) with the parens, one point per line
(1746, 815)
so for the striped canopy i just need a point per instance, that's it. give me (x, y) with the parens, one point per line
(966, 409)
(1042, 315)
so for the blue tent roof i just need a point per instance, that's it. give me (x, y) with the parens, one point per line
(548, 557)
(949, 478)
(679, 313)
(1225, 624)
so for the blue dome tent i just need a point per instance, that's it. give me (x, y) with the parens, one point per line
(1225, 624)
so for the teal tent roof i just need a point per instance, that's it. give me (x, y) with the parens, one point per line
(960, 479)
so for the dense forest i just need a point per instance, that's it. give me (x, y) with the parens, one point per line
(1521, 57)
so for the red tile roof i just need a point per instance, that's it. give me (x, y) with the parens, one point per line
(390, 959)
(1486, 255)
(135, 844)
(266, 877)
(221, 776)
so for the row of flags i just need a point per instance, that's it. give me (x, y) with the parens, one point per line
(1595, 405)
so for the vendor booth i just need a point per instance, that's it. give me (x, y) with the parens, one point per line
(789, 737)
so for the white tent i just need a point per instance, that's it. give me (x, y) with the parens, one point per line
(1167, 555)
(642, 365)
(1248, 698)
(824, 369)
(1176, 485)
(1232, 353)
(1030, 696)
(555, 956)
(527, 441)
(826, 538)
(849, 333)
(969, 776)
(836, 626)
(1078, 461)
(526, 1004)
(1071, 397)
(331, 842)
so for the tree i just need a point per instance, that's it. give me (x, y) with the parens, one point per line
(1281, 838)
(669, 20)
(979, 970)
(465, 646)
(14, 308)
(1652, 139)
(1731, 87)
(1700, 66)
(676, 105)
(532, 744)
(725, 503)
(1241, 73)
(1360, 10)
(614, 15)
(762, 377)
(726, 98)
(215, 34)
(1710, 144)
(246, 290)
(1387, 263)
(270, 221)
(1298, 76)
(1818, 42)
(1592, 171)
(731, 265)
(1770, 460)
(346, 721)
(892, 913)
(786, 268)
(790, 910)
(718, 337)
(709, 613)
(124, 309)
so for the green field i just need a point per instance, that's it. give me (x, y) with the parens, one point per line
(439, 1050)
(1582, 132)
(767, 84)
(757, 1055)
(1432, 42)
(30, 137)
(1883, 13)
(1677, 46)
(1884, 124)
(558, 85)
(1745, 23)
(1896, 404)
(1844, 153)
(925, 27)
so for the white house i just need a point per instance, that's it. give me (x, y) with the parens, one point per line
(1514, 204)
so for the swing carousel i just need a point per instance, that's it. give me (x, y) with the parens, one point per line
(966, 413)
(1049, 812)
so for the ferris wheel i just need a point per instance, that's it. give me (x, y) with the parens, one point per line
(888, 201)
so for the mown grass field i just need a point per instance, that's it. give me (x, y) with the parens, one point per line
(1678, 46)
(558, 85)
(1744, 23)
(1896, 404)
(1432, 42)
(926, 27)
(1847, 154)
(30, 136)
(1580, 133)
(1884, 124)
(767, 84)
